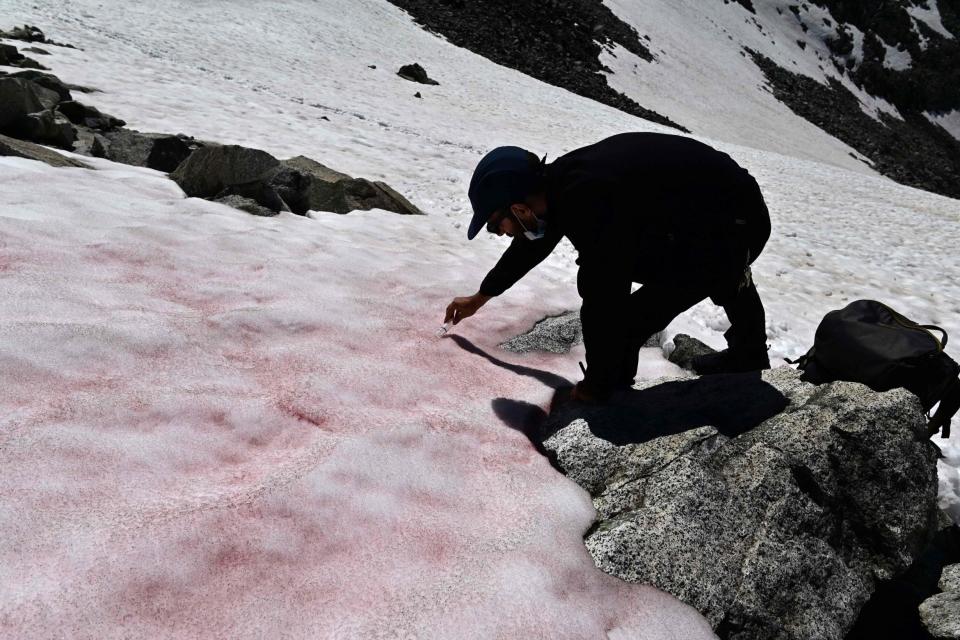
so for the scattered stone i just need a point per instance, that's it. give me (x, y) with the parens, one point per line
(417, 95)
(686, 349)
(415, 73)
(37, 50)
(22, 149)
(210, 170)
(372, 66)
(246, 204)
(89, 117)
(941, 613)
(772, 506)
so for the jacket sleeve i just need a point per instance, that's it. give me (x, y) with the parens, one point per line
(521, 256)
(604, 282)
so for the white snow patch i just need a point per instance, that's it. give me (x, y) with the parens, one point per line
(930, 16)
(949, 121)
(896, 59)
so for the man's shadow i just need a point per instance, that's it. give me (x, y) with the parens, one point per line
(732, 403)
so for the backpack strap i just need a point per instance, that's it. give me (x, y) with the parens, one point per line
(802, 360)
(949, 405)
(933, 327)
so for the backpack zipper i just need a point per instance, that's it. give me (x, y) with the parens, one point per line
(906, 323)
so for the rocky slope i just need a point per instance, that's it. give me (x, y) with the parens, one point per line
(884, 49)
(556, 41)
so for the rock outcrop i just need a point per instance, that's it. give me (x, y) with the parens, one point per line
(686, 349)
(772, 506)
(29, 33)
(22, 149)
(211, 170)
(298, 185)
(27, 112)
(941, 613)
(11, 57)
(90, 117)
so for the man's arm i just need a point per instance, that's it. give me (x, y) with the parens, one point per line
(520, 257)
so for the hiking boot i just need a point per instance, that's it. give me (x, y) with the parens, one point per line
(728, 361)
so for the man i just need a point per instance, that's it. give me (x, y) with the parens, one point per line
(666, 211)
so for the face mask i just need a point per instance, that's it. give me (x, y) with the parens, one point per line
(533, 235)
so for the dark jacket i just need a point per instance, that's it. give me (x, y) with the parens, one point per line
(640, 207)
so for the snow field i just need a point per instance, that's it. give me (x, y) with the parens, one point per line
(221, 425)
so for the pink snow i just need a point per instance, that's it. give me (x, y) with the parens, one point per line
(223, 426)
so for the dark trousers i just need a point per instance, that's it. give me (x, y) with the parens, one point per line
(654, 306)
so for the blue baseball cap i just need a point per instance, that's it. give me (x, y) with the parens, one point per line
(504, 176)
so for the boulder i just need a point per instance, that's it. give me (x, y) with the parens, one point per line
(90, 117)
(210, 170)
(557, 334)
(9, 56)
(47, 127)
(159, 151)
(37, 50)
(415, 73)
(941, 613)
(258, 191)
(20, 97)
(90, 143)
(345, 196)
(246, 204)
(47, 81)
(772, 506)
(306, 184)
(685, 349)
(554, 334)
(30, 63)
(313, 168)
(21, 149)
(292, 186)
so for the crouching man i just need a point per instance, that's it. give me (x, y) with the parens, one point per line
(668, 212)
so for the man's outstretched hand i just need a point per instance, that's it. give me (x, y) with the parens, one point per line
(464, 307)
